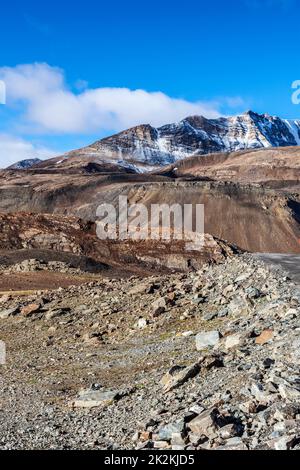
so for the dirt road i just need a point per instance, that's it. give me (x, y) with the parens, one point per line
(289, 262)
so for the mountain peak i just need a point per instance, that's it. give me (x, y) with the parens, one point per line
(253, 114)
(24, 164)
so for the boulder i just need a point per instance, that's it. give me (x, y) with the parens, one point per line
(9, 312)
(57, 312)
(159, 307)
(207, 339)
(141, 323)
(233, 341)
(171, 382)
(94, 398)
(29, 310)
(166, 432)
(264, 337)
(235, 443)
(205, 423)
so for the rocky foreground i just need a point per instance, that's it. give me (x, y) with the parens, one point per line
(203, 360)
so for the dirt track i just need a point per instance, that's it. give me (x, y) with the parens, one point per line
(43, 280)
(289, 262)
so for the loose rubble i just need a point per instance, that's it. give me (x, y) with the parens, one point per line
(202, 360)
(32, 265)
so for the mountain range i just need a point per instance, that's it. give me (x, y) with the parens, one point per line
(146, 148)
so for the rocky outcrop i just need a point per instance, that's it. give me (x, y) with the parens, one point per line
(27, 231)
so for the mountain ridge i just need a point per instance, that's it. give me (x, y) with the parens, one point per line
(146, 148)
(197, 135)
(24, 164)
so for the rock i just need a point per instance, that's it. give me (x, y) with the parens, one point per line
(228, 290)
(187, 334)
(253, 293)
(205, 423)
(207, 339)
(57, 312)
(210, 316)
(211, 361)
(233, 341)
(139, 289)
(145, 436)
(136, 437)
(258, 392)
(196, 409)
(238, 306)
(94, 399)
(166, 432)
(281, 443)
(264, 337)
(268, 363)
(235, 443)
(228, 431)
(93, 338)
(171, 374)
(29, 310)
(4, 298)
(174, 381)
(248, 407)
(161, 445)
(9, 312)
(250, 391)
(144, 445)
(141, 323)
(288, 393)
(292, 312)
(177, 439)
(194, 439)
(159, 307)
(223, 313)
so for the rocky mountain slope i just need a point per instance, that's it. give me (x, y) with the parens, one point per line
(273, 167)
(24, 164)
(201, 360)
(241, 191)
(145, 147)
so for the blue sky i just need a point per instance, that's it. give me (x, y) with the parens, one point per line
(85, 61)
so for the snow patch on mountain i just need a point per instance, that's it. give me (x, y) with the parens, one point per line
(145, 148)
(294, 128)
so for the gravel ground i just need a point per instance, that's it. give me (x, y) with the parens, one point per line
(207, 359)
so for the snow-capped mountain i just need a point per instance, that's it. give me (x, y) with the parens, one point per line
(145, 146)
(24, 164)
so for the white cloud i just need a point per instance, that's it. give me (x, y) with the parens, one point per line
(41, 102)
(49, 106)
(14, 149)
